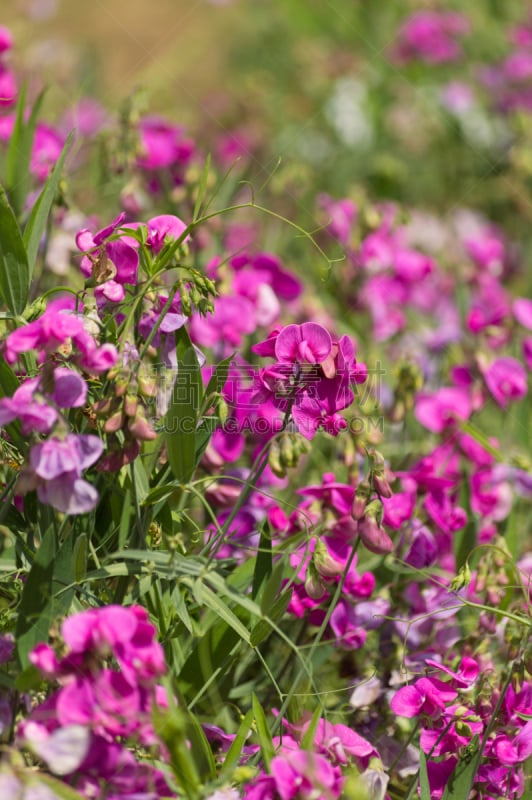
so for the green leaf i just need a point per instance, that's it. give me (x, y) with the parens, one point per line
(80, 556)
(264, 627)
(263, 561)
(200, 748)
(202, 188)
(307, 742)
(47, 593)
(36, 223)
(170, 726)
(182, 415)
(19, 152)
(206, 597)
(219, 377)
(263, 732)
(462, 779)
(234, 754)
(59, 789)
(272, 587)
(423, 777)
(14, 269)
(28, 680)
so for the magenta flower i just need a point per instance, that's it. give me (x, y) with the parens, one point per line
(515, 751)
(55, 327)
(442, 408)
(506, 379)
(116, 259)
(432, 36)
(224, 330)
(163, 227)
(427, 697)
(6, 39)
(522, 310)
(8, 86)
(47, 147)
(300, 774)
(57, 466)
(163, 145)
(308, 342)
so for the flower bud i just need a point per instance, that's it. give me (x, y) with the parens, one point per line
(186, 306)
(141, 428)
(326, 566)
(131, 403)
(362, 495)
(288, 454)
(222, 409)
(462, 579)
(103, 407)
(274, 460)
(373, 536)
(115, 422)
(314, 585)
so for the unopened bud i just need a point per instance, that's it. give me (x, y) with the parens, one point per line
(373, 536)
(362, 495)
(462, 728)
(222, 409)
(115, 422)
(288, 454)
(326, 566)
(314, 585)
(186, 307)
(131, 403)
(141, 428)
(103, 407)
(274, 460)
(462, 579)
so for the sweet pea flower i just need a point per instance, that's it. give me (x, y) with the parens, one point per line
(162, 144)
(55, 470)
(309, 343)
(6, 39)
(515, 751)
(8, 87)
(427, 697)
(110, 259)
(432, 36)
(443, 408)
(506, 379)
(522, 311)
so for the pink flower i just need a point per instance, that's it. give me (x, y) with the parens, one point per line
(120, 255)
(427, 696)
(47, 147)
(522, 310)
(443, 408)
(506, 379)
(163, 144)
(511, 752)
(300, 774)
(308, 342)
(432, 36)
(6, 39)
(8, 86)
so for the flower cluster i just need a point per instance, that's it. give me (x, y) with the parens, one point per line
(107, 680)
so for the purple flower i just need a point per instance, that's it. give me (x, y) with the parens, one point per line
(110, 259)
(427, 696)
(443, 408)
(431, 36)
(506, 379)
(308, 342)
(57, 466)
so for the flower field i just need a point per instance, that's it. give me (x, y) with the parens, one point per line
(265, 347)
